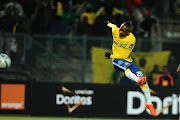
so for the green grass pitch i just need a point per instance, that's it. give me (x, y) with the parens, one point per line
(56, 118)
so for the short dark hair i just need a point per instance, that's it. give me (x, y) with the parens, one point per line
(128, 24)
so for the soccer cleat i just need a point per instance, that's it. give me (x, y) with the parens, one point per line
(141, 81)
(151, 108)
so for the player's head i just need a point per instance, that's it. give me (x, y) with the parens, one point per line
(124, 29)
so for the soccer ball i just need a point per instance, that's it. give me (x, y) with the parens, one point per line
(5, 61)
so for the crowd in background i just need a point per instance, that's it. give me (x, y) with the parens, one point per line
(81, 16)
(78, 17)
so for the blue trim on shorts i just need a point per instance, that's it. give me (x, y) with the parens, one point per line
(122, 65)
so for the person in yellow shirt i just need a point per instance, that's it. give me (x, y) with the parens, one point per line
(123, 44)
(90, 15)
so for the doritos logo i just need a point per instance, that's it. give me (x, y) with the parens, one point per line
(73, 100)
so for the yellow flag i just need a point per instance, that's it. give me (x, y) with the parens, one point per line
(103, 68)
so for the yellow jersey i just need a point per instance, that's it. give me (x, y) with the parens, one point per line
(122, 47)
(91, 17)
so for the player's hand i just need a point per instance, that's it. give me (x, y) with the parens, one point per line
(107, 55)
(106, 22)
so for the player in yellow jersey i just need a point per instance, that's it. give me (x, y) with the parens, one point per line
(123, 44)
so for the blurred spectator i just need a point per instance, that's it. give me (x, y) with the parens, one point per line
(116, 11)
(28, 6)
(59, 8)
(125, 81)
(172, 65)
(132, 6)
(7, 22)
(150, 4)
(40, 18)
(142, 66)
(84, 28)
(56, 28)
(15, 7)
(118, 16)
(2, 9)
(165, 79)
(68, 18)
(23, 24)
(173, 8)
(89, 14)
(115, 76)
(97, 4)
(81, 8)
(169, 8)
(99, 28)
(178, 7)
(152, 77)
(118, 77)
(23, 47)
(142, 62)
(146, 23)
(56, 25)
(146, 26)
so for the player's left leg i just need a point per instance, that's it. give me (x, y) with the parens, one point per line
(144, 87)
(134, 73)
(149, 105)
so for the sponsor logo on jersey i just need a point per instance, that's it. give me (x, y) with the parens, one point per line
(131, 46)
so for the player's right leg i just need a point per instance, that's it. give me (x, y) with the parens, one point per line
(140, 80)
(123, 66)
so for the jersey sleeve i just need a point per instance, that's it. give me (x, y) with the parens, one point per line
(132, 44)
(112, 26)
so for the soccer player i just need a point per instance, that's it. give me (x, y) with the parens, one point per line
(123, 44)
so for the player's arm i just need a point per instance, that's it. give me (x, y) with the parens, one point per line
(113, 26)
